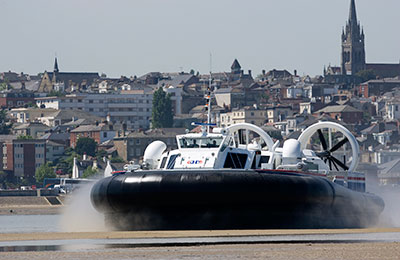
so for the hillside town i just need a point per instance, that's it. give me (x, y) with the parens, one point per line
(45, 115)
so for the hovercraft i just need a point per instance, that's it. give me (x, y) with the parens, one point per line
(238, 178)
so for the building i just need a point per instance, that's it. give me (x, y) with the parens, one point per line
(6, 152)
(311, 106)
(66, 81)
(24, 156)
(392, 109)
(353, 48)
(132, 146)
(14, 99)
(129, 108)
(245, 115)
(33, 129)
(278, 113)
(353, 57)
(99, 132)
(54, 150)
(345, 113)
(389, 172)
(377, 87)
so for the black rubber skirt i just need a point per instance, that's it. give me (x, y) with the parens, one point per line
(230, 199)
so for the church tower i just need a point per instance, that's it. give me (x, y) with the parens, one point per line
(353, 49)
(56, 66)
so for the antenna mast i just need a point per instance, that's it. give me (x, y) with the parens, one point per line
(208, 95)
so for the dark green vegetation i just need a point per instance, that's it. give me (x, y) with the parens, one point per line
(162, 110)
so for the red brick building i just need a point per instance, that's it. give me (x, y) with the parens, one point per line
(24, 156)
(345, 113)
(100, 133)
(16, 99)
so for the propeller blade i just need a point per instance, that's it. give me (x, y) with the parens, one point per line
(339, 163)
(338, 145)
(330, 165)
(322, 139)
(334, 164)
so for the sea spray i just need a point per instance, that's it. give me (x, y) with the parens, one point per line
(390, 217)
(391, 214)
(79, 214)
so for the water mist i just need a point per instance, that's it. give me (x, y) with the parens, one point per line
(79, 214)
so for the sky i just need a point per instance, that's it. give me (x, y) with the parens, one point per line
(133, 37)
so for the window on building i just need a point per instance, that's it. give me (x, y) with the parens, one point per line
(105, 134)
(90, 101)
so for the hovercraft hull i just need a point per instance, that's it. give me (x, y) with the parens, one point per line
(230, 199)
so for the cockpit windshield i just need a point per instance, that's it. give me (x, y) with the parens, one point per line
(200, 142)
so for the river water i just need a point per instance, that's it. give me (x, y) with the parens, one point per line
(29, 223)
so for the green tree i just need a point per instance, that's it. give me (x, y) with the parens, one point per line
(54, 93)
(162, 110)
(86, 145)
(24, 137)
(89, 171)
(5, 128)
(366, 75)
(66, 163)
(3, 180)
(44, 171)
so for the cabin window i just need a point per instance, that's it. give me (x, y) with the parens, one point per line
(207, 142)
(263, 159)
(164, 160)
(253, 164)
(171, 162)
(235, 160)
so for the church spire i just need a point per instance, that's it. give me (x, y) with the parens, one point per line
(56, 65)
(353, 13)
(353, 49)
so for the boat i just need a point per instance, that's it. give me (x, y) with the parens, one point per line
(238, 177)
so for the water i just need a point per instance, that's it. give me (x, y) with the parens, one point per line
(29, 223)
(79, 214)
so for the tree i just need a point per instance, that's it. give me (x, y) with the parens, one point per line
(5, 128)
(3, 180)
(66, 163)
(89, 171)
(44, 171)
(54, 93)
(86, 145)
(24, 137)
(162, 109)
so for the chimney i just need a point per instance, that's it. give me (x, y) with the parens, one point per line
(263, 72)
(250, 73)
(295, 73)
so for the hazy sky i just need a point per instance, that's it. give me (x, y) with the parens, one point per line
(132, 37)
